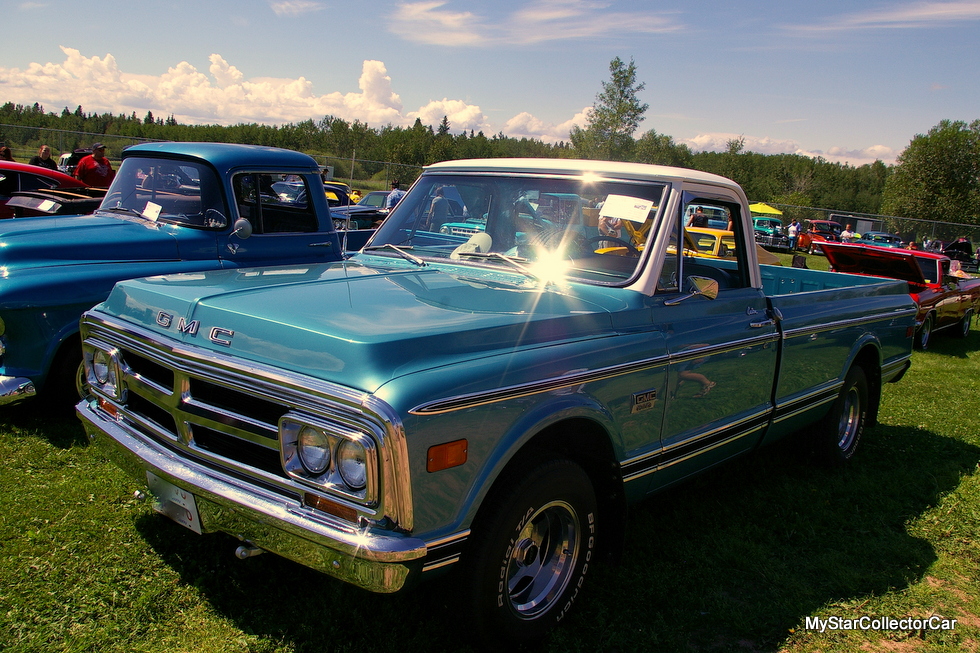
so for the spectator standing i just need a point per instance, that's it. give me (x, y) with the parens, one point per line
(6, 154)
(95, 169)
(394, 196)
(43, 158)
(438, 210)
(793, 232)
(848, 234)
(699, 218)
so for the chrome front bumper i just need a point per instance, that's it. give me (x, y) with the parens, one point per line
(14, 389)
(379, 561)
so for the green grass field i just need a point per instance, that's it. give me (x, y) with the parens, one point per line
(736, 560)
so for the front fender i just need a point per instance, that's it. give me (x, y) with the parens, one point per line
(497, 435)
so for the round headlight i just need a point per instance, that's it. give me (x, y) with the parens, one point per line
(352, 462)
(314, 450)
(102, 367)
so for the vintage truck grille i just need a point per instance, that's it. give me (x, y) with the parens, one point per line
(463, 231)
(224, 413)
(225, 424)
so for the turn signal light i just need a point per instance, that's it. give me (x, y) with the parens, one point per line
(330, 507)
(446, 455)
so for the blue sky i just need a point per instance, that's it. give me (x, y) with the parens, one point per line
(850, 81)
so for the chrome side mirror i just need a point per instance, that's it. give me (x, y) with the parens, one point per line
(700, 286)
(243, 228)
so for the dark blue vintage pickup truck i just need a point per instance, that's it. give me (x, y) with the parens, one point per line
(486, 400)
(173, 207)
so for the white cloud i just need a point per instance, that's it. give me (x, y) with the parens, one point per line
(904, 16)
(294, 7)
(718, 142)
(461, 116)
(223, 95)
(431, 22)
(525, 125)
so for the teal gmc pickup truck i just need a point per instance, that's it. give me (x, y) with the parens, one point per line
(485, 402)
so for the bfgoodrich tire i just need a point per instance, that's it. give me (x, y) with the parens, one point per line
(531, 554)
(839, 432)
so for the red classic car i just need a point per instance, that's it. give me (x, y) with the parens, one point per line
(946, 296)
(21, 177)
(816, 232)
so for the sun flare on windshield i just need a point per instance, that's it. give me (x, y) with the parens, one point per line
(550, 265)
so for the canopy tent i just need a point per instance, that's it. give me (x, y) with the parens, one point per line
(764, 209)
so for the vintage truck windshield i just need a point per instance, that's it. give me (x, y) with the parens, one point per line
(593, 230)
(172, 191)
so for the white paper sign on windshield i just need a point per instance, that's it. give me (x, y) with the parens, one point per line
(152, 211)
(46, 205)
(624, 207)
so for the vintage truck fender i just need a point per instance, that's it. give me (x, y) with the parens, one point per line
(534, 432)
(40, 310)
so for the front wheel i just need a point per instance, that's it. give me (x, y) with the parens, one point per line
(963, 328)
(839, 431)
(924, 334)
(532, 553)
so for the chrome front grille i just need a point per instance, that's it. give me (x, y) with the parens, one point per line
(223, 413)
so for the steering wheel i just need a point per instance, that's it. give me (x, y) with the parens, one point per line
(630, 248)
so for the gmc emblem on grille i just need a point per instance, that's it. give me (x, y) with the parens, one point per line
(217, 335)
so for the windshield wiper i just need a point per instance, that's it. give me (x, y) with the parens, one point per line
(123, 209)
(401, 252)
(515, 262)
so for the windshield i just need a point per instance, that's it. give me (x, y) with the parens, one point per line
(169, 191)
(542, 227)
(827, 227)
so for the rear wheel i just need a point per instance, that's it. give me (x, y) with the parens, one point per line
(532, 553)
(839, 432)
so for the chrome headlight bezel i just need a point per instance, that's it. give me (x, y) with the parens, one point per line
(314, 449)
(352, 464)
(103, 371)
(331, 478)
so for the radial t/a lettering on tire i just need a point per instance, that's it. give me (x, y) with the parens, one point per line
(532, 554)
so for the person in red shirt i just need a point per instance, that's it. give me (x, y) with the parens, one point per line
(95, 169)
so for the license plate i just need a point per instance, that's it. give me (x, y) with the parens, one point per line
(174, 502)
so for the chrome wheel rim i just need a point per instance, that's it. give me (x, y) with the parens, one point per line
(542, 559)
(850, 420)
(925, 333)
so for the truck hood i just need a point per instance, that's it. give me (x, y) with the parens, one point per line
(876, 261)
(357, 324)
(56, 241)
